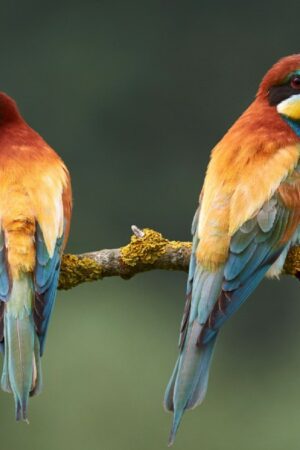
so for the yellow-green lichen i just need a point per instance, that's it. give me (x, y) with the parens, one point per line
(176, 245)
(145, 249)
(292, 262)
(148, 248)
(75, 270)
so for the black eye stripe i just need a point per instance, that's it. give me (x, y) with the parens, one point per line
(279, 93)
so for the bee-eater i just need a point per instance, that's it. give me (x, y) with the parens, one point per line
(247, 219)
(35, 212)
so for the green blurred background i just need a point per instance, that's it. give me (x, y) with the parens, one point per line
(133, 95)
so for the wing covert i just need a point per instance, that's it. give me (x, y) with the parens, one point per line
(253, 250)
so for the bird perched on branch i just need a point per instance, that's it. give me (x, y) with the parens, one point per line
(35, 212)
(248, 217)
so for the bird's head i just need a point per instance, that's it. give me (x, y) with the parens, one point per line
(280, 88)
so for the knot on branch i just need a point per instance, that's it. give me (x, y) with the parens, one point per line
(144, 249)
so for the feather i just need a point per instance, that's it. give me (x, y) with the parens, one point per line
(46, 280)
(188, 382)
(19, 345)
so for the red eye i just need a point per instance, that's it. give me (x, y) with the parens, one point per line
(295, 82)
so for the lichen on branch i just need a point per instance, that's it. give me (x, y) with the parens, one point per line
(147, 250)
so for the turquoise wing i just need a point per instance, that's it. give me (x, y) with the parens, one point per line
(212, 297)
(253, 250)
(5, 286)
(46, 281)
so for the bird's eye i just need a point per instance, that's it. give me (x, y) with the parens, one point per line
(295, 82)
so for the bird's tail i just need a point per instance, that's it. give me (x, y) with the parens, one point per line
(188, 384)
(21, 370)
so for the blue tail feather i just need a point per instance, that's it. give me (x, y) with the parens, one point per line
(21, 371)
(188, 384)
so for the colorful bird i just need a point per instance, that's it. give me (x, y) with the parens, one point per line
(35, 212)
(247, 219)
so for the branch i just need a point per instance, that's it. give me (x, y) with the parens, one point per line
(147, 250)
